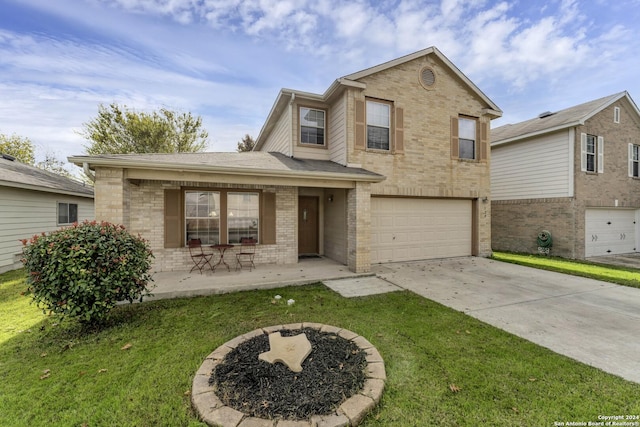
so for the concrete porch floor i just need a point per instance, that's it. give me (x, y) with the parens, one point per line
(176, 284)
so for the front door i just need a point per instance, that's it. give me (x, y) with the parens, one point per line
(307, 225)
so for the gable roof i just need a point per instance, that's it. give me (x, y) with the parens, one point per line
(19, 175)
(351, 80)
(259, 163)
(551, 122)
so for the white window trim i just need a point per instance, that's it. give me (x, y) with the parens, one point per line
(599, 154)
(616, 114)
(632, 161)
(475, 138)
(389, 106)
(324, 127)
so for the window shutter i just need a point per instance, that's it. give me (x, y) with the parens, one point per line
(630, 160)
(268, 229)
(361, 125)
(483, 143)
(399, 139)
(173, 219)
(600, 154)
(455, 144)
(583, 152)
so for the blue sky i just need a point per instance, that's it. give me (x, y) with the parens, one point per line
(226, 60)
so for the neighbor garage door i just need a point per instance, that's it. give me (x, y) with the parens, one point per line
(407, 229)
(610, 231)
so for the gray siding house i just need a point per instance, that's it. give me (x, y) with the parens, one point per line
(572, 172)
(34, 201)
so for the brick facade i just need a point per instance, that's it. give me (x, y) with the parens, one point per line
(426, 168)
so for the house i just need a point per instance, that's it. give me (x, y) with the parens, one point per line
(573, 173)
(33, 201)
(388, 164)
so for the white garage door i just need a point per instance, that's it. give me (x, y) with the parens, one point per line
(406, 229)
(610, 231)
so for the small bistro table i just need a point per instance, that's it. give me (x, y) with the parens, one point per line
(222, 248)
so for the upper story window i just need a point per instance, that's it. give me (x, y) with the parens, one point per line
(312, 126)
(634, 160)
(616, 114)
(67, 213)
(378, 125)
(592, 153)
(467, 138)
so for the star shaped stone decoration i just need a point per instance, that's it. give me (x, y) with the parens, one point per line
(290, 351)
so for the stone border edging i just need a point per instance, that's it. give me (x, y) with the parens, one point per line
(350, 413)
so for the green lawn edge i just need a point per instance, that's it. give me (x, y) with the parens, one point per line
(625, 276)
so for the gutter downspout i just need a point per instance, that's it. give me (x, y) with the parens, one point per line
(293, 98)
(87, 172)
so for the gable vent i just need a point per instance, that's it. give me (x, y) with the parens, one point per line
(545, 114)
(427, 77)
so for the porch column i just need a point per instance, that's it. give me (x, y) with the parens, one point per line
(359, 228)
(111, 196)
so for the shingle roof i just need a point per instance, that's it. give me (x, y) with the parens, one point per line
(20, 175)
(251, 162)
(568, 117)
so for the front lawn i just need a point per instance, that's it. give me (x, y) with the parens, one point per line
(443, 367)
(608, 273)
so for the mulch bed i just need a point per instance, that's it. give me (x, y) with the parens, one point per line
(333, 372)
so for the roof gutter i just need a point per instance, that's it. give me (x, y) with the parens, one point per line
(87, 172)
(44, 189)
(332, 176)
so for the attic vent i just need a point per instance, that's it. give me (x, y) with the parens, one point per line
(427, 78)
(545, 114)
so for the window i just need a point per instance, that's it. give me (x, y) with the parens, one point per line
(592, 158)
(202, 216)
(591, 153)
(378, 125)
(67, 213)
(616, 114)
(467, 141)
(312, 125)
(243, 216)
(634, 160)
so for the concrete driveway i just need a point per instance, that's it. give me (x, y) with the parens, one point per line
(597, 323)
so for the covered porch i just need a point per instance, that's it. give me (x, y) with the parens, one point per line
(176, 284)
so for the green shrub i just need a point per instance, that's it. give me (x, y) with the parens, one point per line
(84, 270)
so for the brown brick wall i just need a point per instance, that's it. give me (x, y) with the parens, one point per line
(516, 224)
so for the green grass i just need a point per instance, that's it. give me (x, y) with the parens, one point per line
(608, 273)
(503, 380)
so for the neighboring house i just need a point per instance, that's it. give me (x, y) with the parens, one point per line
(573, 173)
(33, 201)
(388, 164)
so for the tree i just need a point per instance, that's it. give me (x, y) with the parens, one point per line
(246, 144)
(53, 164)
(119, 130)
(20, 148)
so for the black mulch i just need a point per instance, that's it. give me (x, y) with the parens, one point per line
(333, 372)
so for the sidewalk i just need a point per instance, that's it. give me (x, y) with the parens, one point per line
(176, 284)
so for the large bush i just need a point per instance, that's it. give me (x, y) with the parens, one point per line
(84, 270)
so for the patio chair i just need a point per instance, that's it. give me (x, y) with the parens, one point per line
(247, 252)
(199, 257)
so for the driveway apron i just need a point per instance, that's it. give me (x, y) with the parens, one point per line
(594, 322)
